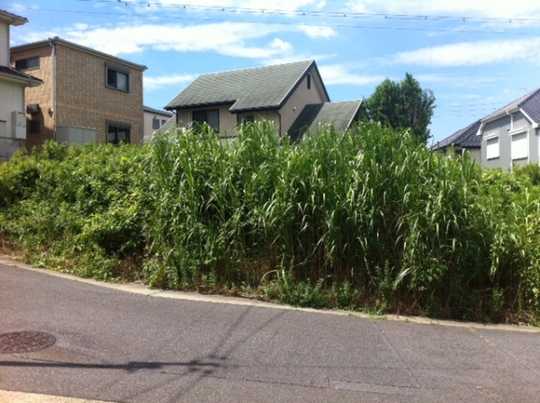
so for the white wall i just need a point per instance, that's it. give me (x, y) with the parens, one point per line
(11, 99)
(4, 44)
(148, 118)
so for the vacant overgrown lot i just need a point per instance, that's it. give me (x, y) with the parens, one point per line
(367, 220)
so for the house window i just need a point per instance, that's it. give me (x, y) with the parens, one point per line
(492, 148)
(163, 122)
(248, 119)
(309, 81)
(118, 133)
(117, 79)
(35, 125)
(27, 64)
(520, 146)
(210, 117)
(155, 124)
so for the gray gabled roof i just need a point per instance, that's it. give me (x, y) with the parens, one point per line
(339, 115)
(149, 109)
(464, 138)
(249, 89)
(530, 103)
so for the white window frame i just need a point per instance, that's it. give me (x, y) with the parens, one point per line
(498, 153)
(526, 154)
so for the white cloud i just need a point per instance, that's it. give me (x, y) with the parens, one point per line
(473, 8)
(337, 74)
(156, 82)
(225, 38)
(317, 31)
(473, 53)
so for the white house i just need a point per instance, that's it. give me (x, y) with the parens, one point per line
(12, 84)
(154, 119)
(506, 138)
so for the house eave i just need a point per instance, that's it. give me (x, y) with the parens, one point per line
(28, 82)
(255, 109)
(199, 105)
(56, 40)
(507, 112)
(12, 19)
(351, 120)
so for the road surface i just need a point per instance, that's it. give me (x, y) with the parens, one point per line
(118, 346)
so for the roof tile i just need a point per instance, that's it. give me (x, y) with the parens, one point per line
(256, 88)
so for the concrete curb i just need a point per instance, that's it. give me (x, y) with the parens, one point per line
(7, 396)
(141, 289)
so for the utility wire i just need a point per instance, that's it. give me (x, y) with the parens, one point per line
(319, 13)
(194, 17)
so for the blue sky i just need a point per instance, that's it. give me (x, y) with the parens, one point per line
(474, 55)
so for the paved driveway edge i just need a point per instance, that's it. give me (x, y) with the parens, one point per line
(141, 289)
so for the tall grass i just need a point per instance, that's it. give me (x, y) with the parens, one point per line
(365, 219)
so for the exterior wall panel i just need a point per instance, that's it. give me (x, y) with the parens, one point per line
(4, 44)
(301, 97)
(85, 102)
(41, 94)
(11, 99)
(501, 129)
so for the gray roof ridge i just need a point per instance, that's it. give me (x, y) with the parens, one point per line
(528, 97)
(242, 69)
(518, 102)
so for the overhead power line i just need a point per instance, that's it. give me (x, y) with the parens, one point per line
(320, 13)
(388, 24)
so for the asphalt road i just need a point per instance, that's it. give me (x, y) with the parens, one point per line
(118, 346)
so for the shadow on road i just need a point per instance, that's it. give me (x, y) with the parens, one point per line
(203, 367)
(131, 366)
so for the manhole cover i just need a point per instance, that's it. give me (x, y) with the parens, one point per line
(25, 342)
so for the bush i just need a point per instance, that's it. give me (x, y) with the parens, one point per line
(79, 203)
(366, 219)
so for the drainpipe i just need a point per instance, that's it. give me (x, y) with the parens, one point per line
(53, 57)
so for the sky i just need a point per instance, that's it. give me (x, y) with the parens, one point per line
(475, 55)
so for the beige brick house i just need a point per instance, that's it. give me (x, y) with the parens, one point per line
(86, 97)
(292, 96)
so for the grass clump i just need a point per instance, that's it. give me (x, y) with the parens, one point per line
(368, 219)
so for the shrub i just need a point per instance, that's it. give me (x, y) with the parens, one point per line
(369, 218)
(76, 201)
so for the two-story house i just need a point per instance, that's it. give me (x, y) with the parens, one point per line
(154, 119)
(12, 85)
(291, 95)
(87, 96)
(504, 139)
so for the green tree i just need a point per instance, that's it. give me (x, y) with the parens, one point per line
(401, 105)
